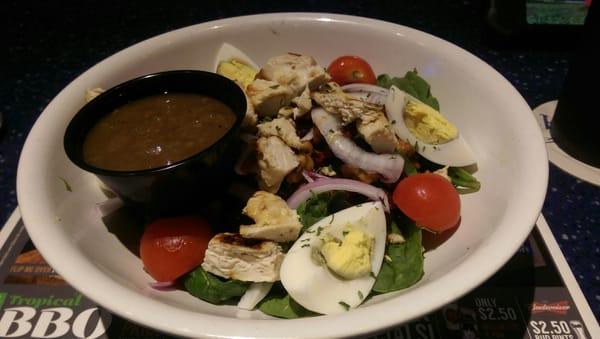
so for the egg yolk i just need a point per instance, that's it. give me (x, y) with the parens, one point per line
(350, 258)
(427, 124)
(237, 71)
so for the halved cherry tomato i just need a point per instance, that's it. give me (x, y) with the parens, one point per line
(350, 69)
(428, 199)
(171, 247)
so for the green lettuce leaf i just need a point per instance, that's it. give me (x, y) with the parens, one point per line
(412, 84)
(208, 287)
(321, 205)
(406, 265)
(278, 303)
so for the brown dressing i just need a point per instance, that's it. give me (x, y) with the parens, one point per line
(156, 131)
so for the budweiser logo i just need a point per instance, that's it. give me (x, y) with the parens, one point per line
(559, 307)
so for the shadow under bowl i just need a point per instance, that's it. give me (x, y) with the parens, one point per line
(172, 189)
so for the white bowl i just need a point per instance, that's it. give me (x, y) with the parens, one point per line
(490, 113)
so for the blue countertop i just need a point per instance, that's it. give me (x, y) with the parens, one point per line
(47, 45)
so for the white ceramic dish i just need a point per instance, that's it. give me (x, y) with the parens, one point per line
(490, 113)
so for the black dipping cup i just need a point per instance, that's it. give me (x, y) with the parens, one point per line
(178, 188)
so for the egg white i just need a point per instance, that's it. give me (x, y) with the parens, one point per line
(314, 286)
(456, 152)
(229, 52)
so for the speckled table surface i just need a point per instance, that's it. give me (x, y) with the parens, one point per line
(47, 44)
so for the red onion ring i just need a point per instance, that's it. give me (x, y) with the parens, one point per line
(390, 166)
(311, 176)
(326, 184)
(369, 93)
(367, 88)
(163, 286)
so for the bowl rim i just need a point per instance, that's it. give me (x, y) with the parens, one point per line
(89, 108)
(474, 269)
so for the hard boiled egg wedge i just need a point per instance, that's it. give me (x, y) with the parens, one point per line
(455, 152)
(235, 65)
(228, 52)
(311, 283)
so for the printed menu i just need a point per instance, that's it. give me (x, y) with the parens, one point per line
(527, 298)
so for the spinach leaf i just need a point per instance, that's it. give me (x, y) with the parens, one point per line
(279, 304)
(321, 205)
(406, 265)
(283, 307)
(412, 84)
(409, 167)
(464, 181)
(208, 287)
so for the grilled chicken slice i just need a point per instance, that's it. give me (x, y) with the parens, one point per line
(295, 71)
(283, 85)
(275, 161)
(303, 103)
(274, 220)
(378, 134)
(285, 130)
(231, 256)
(333, 99)
(268, 97)
(250, 119)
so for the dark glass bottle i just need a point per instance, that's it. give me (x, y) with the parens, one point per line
(576, 124)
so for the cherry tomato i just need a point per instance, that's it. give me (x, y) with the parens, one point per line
(171, 247)
(350, 69)
(428, 199)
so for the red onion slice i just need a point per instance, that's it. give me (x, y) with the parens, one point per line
(307, 177)
(163, 286)
(390, 166)
(311, 176)
(367, 88)
(369, 93)
(325, 185)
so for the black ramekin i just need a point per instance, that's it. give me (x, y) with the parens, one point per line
(182, 186)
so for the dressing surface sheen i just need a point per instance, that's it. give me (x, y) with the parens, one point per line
(156, 131)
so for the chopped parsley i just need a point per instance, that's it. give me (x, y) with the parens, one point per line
(304, 245)
(66, 183)
(319, 230)
(344, 305)
(360, 295)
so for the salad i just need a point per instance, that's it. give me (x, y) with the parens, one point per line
(339, 174)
